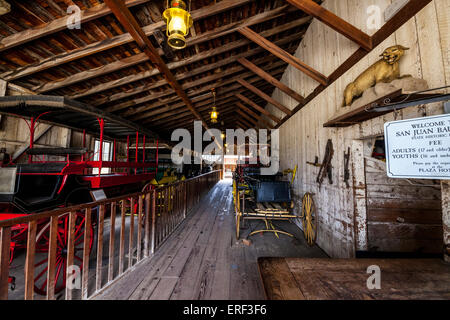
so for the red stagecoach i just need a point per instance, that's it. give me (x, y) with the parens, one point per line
(42, 185)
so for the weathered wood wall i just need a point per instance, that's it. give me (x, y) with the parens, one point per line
(303, 137)
(402, 215)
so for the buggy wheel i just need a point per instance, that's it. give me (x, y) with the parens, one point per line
(309, 218)
(42, 246)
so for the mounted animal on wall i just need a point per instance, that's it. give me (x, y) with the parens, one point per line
(384, 70)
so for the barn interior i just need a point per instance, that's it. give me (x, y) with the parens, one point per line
(224, 149)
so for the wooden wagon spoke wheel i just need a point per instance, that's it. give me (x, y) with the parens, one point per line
(42, 245)
(309, 218)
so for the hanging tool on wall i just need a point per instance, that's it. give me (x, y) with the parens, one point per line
(315, 163)
(326, 168)
(346, 170)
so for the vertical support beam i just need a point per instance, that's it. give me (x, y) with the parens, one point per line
(70, 253)
(5, 243)
(29, 260)
(359, 196)
(101, 224)
(122, 236)
(112, 236)
(52, 258)
(86, 252)
(445, 190)
(147, 226)
(153, 244)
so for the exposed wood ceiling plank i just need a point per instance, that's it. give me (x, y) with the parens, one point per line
(265, 96)
(400, 18)
(172, 65)
(56, 25)
(125, 38)
(257, 107)
(131, 25)
(270, 79)
(221, 93)
(280, 53)
(334, 22)
(189, 85)
(184, 75)
(250, 112)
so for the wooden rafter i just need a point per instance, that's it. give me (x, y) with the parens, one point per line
(198, 96)
(257, 107)
(400, 18)
(57, 25)
(266, 76)
(248, 111)
(116, 41)
(334, 22)
(197, 91)
(265, 96)
(131, 25)
(173, 65)
(280, 53)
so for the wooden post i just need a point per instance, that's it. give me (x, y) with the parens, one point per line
(131, 235)
(153, 221)
(122, 236)
(101, 221)
(139, 226)
(29, 261)
(185, 200)
(112, 234)
(70, 253)
(86, 252)
(5, 243)
(147, 225)
(445, 190)
(52, 258)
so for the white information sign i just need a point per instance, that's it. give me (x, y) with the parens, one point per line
(418, 148)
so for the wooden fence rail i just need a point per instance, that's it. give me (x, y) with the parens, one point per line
(60, 243)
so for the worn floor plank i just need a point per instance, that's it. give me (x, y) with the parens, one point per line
(312, 279)
(203, 260)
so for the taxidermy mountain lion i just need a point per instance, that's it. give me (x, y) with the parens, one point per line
(384, 70)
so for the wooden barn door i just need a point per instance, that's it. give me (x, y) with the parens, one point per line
(402, 215)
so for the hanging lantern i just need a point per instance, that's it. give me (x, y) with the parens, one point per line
(178, 23)
(214, 114)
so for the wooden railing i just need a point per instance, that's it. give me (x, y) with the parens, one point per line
(54, 240)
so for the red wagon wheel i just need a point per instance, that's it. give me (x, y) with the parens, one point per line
(42, 244)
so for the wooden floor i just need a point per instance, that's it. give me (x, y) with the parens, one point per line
(312, 279)
(203, 260)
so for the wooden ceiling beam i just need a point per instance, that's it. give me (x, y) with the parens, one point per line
(266, 76)
(191, 93)
(266, 97)
(267, 124)
(57, 25)
(400, 18)
(257, 107)
(116, 41)
(185, 75)
(280, 53)
(198, 95)
(180, 112)
(177, 64)
(334, 22)
(125, 17)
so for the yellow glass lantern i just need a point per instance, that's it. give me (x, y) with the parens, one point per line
(214, 115)
(178, 23)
